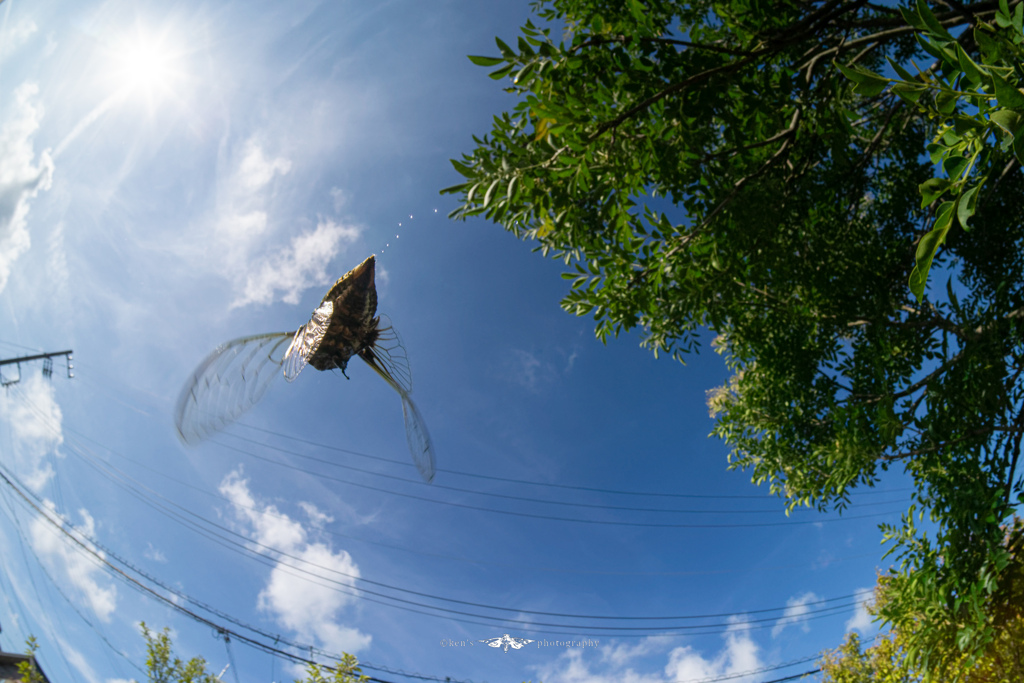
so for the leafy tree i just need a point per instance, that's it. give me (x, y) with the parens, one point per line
(747, 166)
(346, 671)
(29, 671)
(162, 666)
(1002, 660)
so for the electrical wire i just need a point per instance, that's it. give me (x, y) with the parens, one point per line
(523, 625)
(405, 464)
(150, 493)
(406, 549)
(528, 499)
(553, 518)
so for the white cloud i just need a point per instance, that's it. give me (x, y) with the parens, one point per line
(34, 419)
(861, 620)
(21, 176)
(293, 269)
(70, 563)
(339, 197)
(304, 590)
(618, 662)
(256, 171)
(154, 554)
(796, 612)
(738, 655)
(620, 654)
(266, 259)
(17, 35)
(526, 370)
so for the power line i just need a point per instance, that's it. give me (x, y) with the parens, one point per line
(227, 632)
(620, 492)
(553, 518)
(151, 493)
(529, 499)
(403, 463)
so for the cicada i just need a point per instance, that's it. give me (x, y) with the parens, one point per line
(345, 324)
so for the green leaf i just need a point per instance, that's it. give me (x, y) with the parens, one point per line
(954, 167)
(1007, 95)
(454, 188)
(932, 189)
(904, 74)
(1010, 121)
(927, 248)
(933, 25)
(989, 46)
(502, 72)
(963, 125)
(505, 49)
(909, 92)
(638, 11)
(913, 18)
(937, 51)
(966, 206)
(868, 83)
(945, 101)
(1018, 147)
(485, 61)
(972, 71)
(463, 169)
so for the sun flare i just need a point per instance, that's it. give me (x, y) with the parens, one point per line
(146, 63)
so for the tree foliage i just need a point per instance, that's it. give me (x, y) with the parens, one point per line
(162, 666)
(29, 670)
(799, 176)
(1000, 661)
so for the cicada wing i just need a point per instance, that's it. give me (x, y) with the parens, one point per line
(388, 359)
(307, 340)
(420, 445)
(227, 383)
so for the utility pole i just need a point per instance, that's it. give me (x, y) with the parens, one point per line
(47, 359)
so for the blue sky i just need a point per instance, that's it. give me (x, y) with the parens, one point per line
(175, 175)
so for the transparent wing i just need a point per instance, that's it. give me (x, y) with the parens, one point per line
(388, 359)
(420, 445)
(307, 340)
(227, 383)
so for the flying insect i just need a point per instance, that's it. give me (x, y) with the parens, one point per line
(237, 374)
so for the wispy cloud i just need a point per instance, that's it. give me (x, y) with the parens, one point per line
(263, 262)
(34, 418)
(619, 662)
(293, 269)
(302, 590)
(16, 35)
(739, 654)
(153, 553)
(71, 565)
(861, 620)
(796, 612)
(22, 175)
(527, 370)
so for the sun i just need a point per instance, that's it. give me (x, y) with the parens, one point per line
(146, 63)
